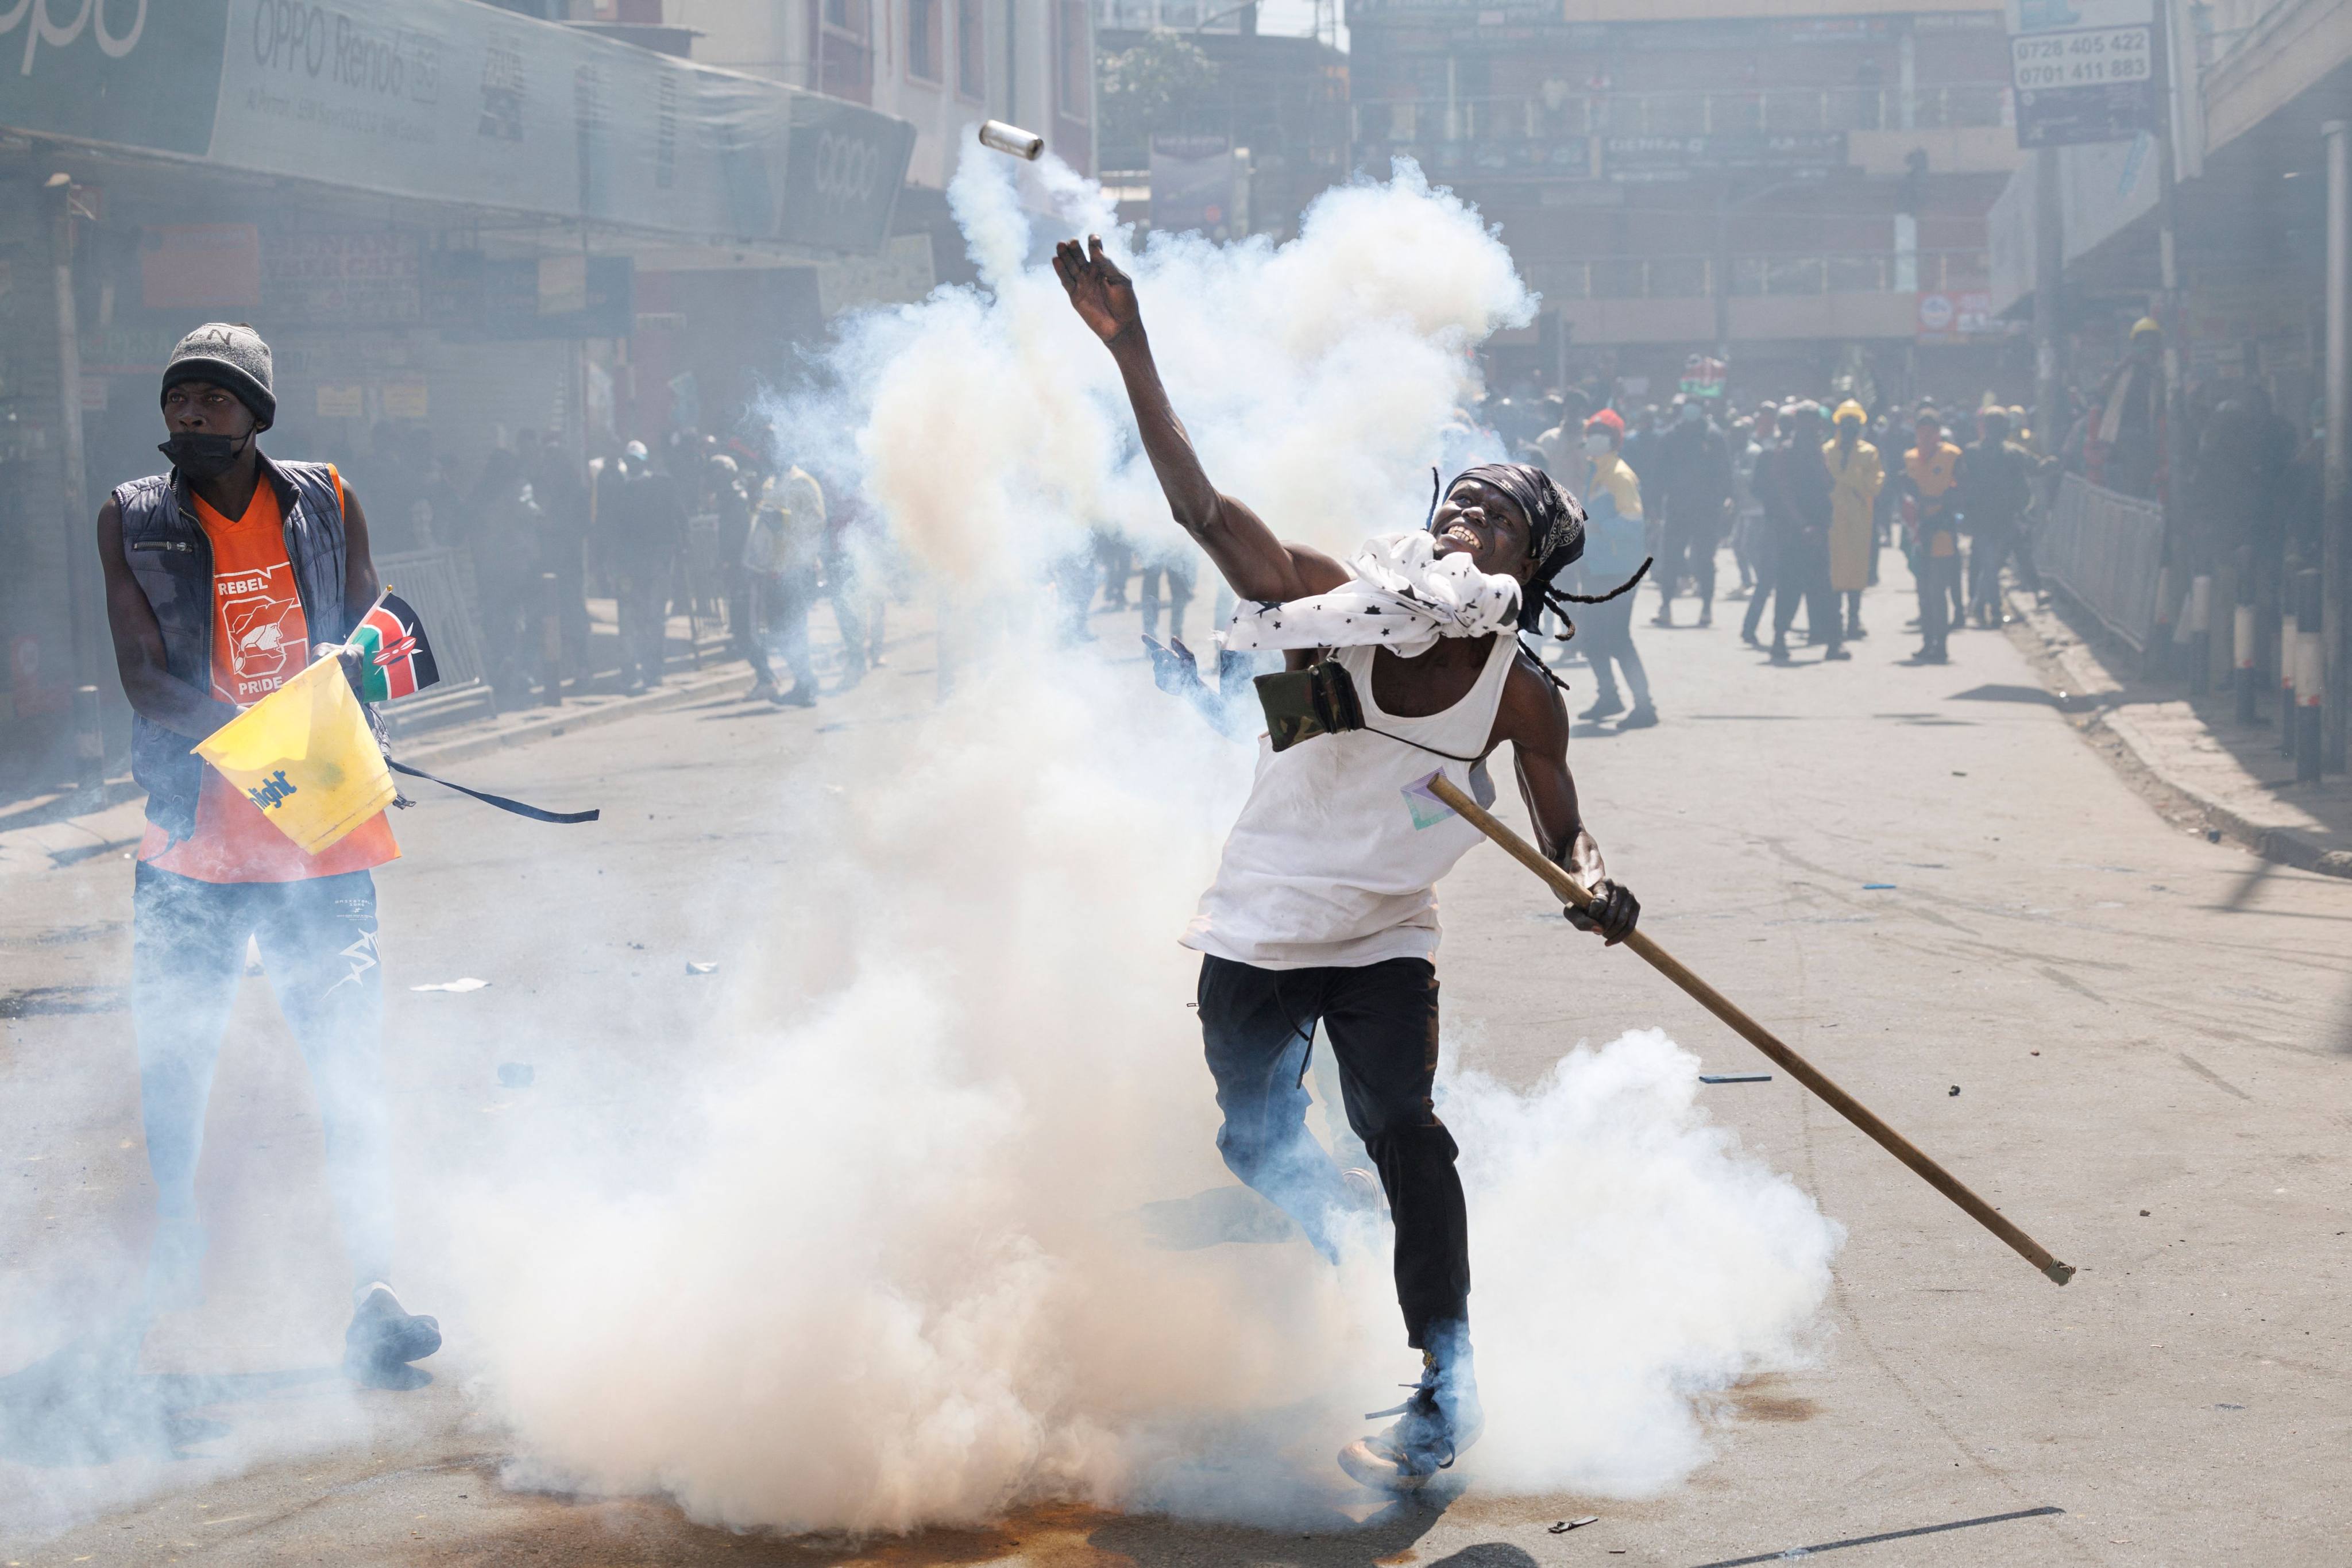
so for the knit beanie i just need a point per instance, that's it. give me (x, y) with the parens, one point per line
(228, 356)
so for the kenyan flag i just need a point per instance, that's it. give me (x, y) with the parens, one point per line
(399, 659)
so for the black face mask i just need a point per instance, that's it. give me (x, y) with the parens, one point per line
(202, 455)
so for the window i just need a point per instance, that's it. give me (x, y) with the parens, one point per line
(1073, 59)
(845, 58)
(972, 48)
(924, 45)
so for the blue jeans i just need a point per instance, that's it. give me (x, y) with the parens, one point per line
(318, 944)
(1259, 1027)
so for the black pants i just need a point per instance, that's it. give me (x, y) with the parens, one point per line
(1259, 1027)
(318, 943)
(1939, 578)
(1606, 632)
(1764, 550)
(1688, 548)
(1804, 573)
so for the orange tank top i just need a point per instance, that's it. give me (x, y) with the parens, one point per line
(260, 640)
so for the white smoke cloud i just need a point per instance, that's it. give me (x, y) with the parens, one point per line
(891, 1276)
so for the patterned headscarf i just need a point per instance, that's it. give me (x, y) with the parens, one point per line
(1555, 541)
(1555, 522)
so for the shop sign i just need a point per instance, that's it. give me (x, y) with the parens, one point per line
(527, 299)
(2083, 70)
(1956, 318)
(407, 400)
(363, 279)
(842, 175)
(199, 266)
(454, 101)
(136, 73)
(341, 400)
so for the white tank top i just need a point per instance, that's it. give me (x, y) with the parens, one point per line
(1336, 855)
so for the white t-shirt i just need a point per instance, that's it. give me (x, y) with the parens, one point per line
(1336, 855)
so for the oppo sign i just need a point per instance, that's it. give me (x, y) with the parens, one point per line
(39, 20)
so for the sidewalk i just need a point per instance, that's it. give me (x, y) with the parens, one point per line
(2191, 752)
(45, 832)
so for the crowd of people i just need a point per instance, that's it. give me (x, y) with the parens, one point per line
(1809, 495)
(721, 533)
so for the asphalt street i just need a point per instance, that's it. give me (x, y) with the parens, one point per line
(2134, 1041)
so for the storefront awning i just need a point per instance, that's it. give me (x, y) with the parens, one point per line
(455, 102)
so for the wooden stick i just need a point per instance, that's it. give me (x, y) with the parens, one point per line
(1756, 1035)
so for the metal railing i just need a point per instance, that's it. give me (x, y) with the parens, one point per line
(2103, 549)
(438, 584)
(1694, 277)
(1545, 116)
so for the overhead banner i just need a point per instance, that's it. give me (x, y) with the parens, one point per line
(450, 101)
(2083, 70)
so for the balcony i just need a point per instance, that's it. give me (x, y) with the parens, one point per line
(1963, 129)
(1670, 298)
(1550, 116)
(1773, 274)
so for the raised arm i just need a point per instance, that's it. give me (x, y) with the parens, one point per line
(155, 693)
(1257, 564)
(1535, 720)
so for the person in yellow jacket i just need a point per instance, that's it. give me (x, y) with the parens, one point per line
(1855, 480)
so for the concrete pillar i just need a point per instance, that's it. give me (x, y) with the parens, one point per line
(2337, 135)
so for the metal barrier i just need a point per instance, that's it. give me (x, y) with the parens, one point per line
(439, 586)
(2104, 550)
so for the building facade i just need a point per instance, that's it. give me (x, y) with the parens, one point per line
(454, 221)
(1797, 192)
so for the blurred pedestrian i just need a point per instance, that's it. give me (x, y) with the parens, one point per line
(1689, 487)
(1929, 472)
(563, 528)
(2124, 443)
(1994, 481)
(644, 540)
(506, 578)
(783, 558)
(1615, 535)
(1168, 579)
(1855, 479)
(1803, 570)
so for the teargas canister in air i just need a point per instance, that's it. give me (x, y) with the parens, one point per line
(1003, 138)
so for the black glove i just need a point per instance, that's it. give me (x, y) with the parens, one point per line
(1613, 913)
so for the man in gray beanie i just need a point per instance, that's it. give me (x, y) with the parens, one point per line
(223, 577)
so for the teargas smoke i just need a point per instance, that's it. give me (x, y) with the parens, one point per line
(930, 1249)
(999, 137)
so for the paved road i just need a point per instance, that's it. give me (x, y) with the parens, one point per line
(2151, 1035)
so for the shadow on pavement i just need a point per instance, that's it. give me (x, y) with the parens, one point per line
(1339, 1542)
(89, 1403)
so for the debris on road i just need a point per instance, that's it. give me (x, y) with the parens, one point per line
(515, 1075)
(1735, 1077)
(1956, 1090)
(1878, 886)
(1565, 1525)
(468, 983)
(693, 968)
(2143, 1214)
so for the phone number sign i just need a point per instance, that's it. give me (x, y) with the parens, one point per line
(2083, 70)
(2040, 62)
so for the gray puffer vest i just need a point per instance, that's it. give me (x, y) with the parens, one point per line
(172, 562)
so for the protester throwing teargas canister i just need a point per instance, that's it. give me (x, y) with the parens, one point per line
(220, 578)
(1323, 909)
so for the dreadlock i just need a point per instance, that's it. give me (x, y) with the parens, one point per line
(1555, 538)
